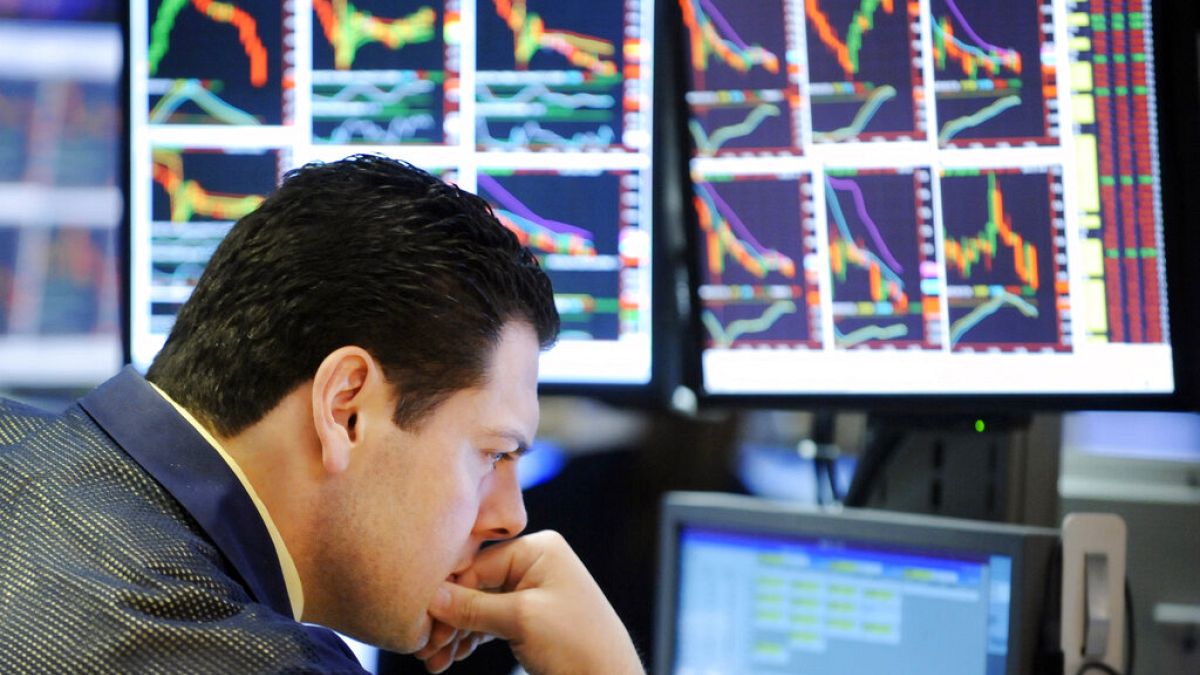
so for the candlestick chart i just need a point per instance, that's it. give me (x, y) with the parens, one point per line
(1006, 280)
(743, 95)
(379, 72)
(756, 236)
(215, 63)
(995, 80)
(864, 69)
(882, 262)
(551, 76)
(573, 224)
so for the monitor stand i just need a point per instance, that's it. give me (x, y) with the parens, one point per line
(997, 468)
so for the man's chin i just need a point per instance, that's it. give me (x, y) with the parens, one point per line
(416, 639)
(412, 640)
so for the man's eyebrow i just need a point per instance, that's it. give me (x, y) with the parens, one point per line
(524, 445)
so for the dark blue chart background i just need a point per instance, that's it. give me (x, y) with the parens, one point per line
(589, 202)
(773, 133)
(791, 329)
(237, 173)
(965, 214)
(770, 208)
(884, 59)
(757, 25)
(202, 48)
(1012, 25)
(494, 40)
(890, 200)
(495, 51)
(377, 56)
(428, 57)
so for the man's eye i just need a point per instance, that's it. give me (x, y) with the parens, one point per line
(497, 457)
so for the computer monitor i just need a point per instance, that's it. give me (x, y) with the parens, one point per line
(942, 198)
(753, 586)
(544, 108)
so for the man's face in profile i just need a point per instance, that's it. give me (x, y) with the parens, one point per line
(421, 501)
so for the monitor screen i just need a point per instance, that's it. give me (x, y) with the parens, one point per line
(930, 198)
(760, 587)
(541, 107)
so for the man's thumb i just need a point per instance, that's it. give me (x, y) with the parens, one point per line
(468, 609)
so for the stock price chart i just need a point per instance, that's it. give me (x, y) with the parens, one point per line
(542, 107)
(936, 197)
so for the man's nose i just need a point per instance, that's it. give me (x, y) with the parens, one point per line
(502, 512)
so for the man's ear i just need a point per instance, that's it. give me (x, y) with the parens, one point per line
(338, 395)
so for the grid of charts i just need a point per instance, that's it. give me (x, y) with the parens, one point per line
(541, 107)
(965, 188)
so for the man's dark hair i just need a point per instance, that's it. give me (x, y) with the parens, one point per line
(366, 251)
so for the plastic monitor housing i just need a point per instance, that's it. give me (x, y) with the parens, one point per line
(818, 545)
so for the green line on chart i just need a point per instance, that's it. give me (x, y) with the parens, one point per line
(719, 137)
(972, 318)
(979, 117)
(878, 97)
(866, 333)
(725, 335)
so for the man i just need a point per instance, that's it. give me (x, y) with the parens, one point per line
(328, 436)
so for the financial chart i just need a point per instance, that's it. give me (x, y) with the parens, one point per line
(543, 108)
(936, 196)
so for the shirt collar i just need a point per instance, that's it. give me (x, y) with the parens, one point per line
(195, 472)
(291, 576)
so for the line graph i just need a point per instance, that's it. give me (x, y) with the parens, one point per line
(846, 52)
(543, 234)
(380, 72)
(725, 335)
(187, 199)
(239, 64)
(744, 92)
(863, 59)
(881, 263)
(573, 113)
(552, 76)
(194, 91)
(573, 224)
(740, 224)
(994, 73)
(709, 144)
(1006, 282)
(348, 29)
(397, 106)
(958, 125)
(862, 118)
(759, 280)
(221, 12)
(195, 197)
(719, 56)
(531, 36)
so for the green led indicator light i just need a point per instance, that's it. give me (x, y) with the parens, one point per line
(980, 426)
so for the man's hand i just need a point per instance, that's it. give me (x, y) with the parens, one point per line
(539, 597)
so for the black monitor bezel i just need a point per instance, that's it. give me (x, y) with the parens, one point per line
(1031, 550)
(1177, 94)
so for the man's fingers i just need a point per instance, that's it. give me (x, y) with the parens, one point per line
(503, 566)
(471, 610)
(440, 635)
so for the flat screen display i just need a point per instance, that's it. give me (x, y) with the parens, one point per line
(755, 603)
(936, 197)
(543, 108)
